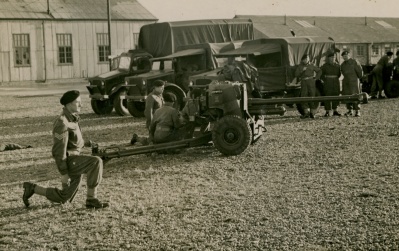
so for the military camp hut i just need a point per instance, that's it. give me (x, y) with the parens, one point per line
(368, 38)
(61, 39)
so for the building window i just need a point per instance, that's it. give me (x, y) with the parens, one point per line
(103, 47)
(136, 40)
(387, 48)
(375, 50)
(360, 50)
(21, 49)
(64, 42)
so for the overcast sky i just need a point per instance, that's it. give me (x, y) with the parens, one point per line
(175, 10)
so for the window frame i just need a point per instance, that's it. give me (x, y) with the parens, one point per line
(65, 47)
(375, 50)
(21, 45)
(103, 48)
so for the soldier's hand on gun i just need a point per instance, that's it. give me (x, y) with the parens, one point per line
(65, 180)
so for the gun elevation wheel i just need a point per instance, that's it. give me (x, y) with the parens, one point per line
(102, 107)
(231, 135)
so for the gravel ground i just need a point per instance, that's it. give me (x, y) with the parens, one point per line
(323, 184)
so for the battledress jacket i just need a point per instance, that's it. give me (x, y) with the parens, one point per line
(352, 71)
(67, 137)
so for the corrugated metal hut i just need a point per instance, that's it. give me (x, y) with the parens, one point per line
(60, 39)
(368, 38)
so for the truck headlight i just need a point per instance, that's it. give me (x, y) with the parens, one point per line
(144, 83)
(191, 83)
(102, 83)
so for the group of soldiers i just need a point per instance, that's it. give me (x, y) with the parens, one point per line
(329, 75)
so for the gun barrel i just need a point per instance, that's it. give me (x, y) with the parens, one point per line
(361, 97)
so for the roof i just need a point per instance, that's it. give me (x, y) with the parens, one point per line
(183, 53)
(341, 29)
(73, 10)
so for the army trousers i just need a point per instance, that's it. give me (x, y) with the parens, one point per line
(78, 165)
(308, 89)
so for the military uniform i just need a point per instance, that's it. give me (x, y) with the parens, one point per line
(152, 103)
(68, 143)
(352, 71)
(378, 82)
(167, 126)
(308, 85)
(331, 87)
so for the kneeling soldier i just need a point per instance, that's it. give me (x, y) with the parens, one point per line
(68, 143)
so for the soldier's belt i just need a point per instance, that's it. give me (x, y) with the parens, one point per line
(307, 78)
(331, 76)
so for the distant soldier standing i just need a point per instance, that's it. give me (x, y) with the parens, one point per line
(352, 71)
(330, 76)
(306, 74)
(378, 81)
(396, 67)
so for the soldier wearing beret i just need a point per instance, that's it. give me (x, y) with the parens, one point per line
(378, 82)
(307, 73)
(352, 71)
(68, 143)
(154, 101)
(331, 86)
(167, 124)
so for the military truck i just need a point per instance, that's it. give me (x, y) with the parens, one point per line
(175, 70)
(276, 60)
(106, 90)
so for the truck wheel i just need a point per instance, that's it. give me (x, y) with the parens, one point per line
(231, 135)
(136, 108)
(391, 89)
(179, 104)
(120, 105)
(102, 107)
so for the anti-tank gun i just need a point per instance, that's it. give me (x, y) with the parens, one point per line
(226, 115)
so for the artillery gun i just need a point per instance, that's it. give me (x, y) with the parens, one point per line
(232, 119)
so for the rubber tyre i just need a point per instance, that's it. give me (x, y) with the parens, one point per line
(120, 105)
(102, 107)
(391, 89)
(136, 108)
(231, 135)
(179, 104)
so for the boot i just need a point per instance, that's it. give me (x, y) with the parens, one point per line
(327, 114)
(348, 113)
(357, 114)
(336, 113)
(96, 204)
(29, 190)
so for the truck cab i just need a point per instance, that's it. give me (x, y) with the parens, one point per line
(108, 89)
(175, 69)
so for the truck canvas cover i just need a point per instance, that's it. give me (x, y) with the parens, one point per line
(162, 39)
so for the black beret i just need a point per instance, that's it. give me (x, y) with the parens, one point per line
(69, 97)
(159, 83)
(344, 53)
(389, 53)
(167, 97)
(304, 56)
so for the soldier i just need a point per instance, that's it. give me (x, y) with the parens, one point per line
(377, 71)
(331, 86)
(68, 143)
(306, 74)
(352, 71)
(167, 125)
(396, 67)
(154, 101)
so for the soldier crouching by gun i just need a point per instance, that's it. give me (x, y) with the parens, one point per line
(68, 143)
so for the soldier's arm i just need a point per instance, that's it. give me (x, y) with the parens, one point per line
(60, 138)
(358, 69)
(298, 71)
(318, 72)
(149, 106)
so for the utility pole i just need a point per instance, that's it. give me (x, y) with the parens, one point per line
(109, 31)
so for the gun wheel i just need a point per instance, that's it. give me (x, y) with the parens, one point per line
(231, 135)
(391, 89)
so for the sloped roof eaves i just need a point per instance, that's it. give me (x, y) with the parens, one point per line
(341, 29)
(121, 10)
